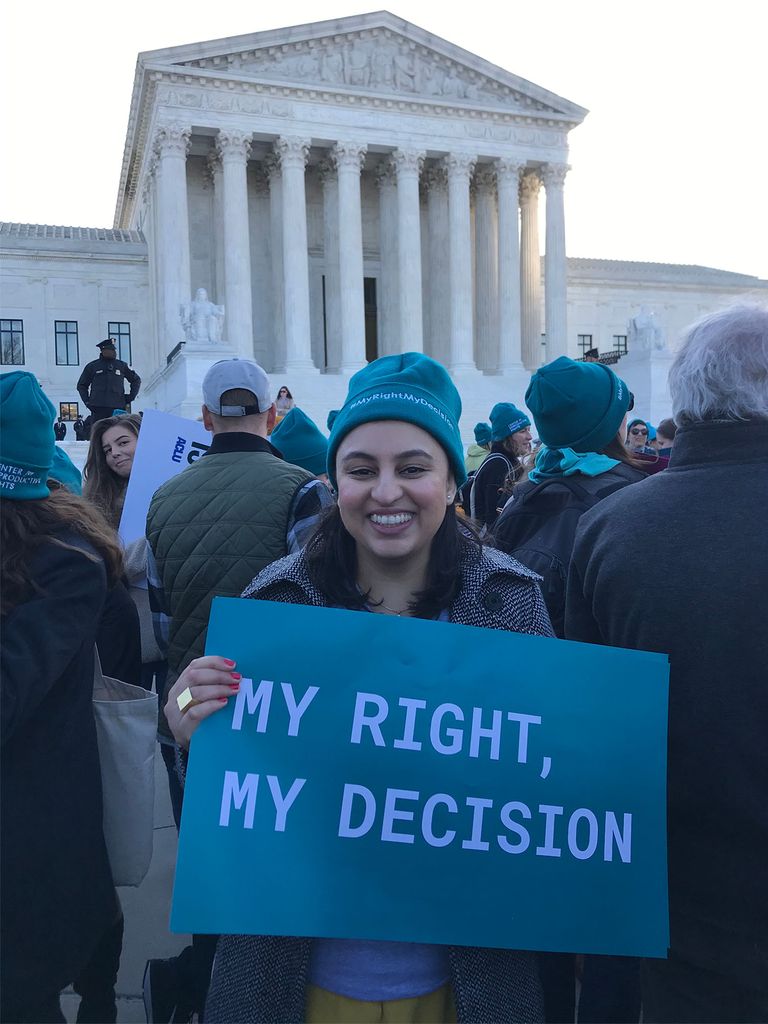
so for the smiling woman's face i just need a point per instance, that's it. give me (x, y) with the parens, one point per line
(119, 444)
(394, 485)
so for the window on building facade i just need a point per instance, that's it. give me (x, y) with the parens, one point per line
(585, 342)
(69, 410)
(120, 333)
(620, 344)
(67, 348)
(12, 342)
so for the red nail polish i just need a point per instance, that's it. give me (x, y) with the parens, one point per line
(234, 686)
(236, 675)
(222, 700)
(230, 662)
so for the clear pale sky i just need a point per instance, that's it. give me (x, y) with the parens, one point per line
(670, 165)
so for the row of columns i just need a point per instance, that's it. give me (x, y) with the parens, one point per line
(507, 265)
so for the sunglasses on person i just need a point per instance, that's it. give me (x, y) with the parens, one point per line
(639, 430)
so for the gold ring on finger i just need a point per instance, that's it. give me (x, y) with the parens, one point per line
(185, 700)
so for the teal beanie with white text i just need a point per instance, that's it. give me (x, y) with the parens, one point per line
(410, 387)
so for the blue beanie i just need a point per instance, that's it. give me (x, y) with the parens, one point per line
(507, 419)
(66, 472)
(482, 433)
(410, 387)
(300, 441)
(27, 443)
(331, 419)
(577, 405)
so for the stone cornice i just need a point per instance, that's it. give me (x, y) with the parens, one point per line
(379, 25)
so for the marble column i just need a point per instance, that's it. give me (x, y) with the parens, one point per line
(330, 185)
(233, 148)
(460, 167)
(293, 152)
(172, 239)
(530, 270)
(439, 264)
(555, 267)
(389, 322)
(215, 172)
(507, 187)
(408, 164)
(349, 158)
(272, 167)
(486, 268)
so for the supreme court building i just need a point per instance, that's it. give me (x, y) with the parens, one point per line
(344, 189)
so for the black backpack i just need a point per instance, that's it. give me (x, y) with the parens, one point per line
(538, 528)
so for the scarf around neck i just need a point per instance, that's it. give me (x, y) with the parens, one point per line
(554, 462)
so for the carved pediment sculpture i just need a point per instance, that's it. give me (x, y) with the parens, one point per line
(378, 62)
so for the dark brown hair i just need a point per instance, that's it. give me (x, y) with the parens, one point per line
(27, 525)
(332, 564)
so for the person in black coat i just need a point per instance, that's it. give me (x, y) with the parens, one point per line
(696, 590)
(60, 429)
(56, 561)
(102, 382)
(511, 441)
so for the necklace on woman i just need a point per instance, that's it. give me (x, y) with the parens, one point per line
(373, 605)
(394, 611)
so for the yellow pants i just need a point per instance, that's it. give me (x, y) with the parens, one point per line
(325, 1007)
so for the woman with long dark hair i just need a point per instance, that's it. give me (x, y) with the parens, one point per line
(109, 464)
(107, 472)
(392, 546)
(57, 560)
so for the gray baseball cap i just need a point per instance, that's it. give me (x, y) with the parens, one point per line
(228, 374)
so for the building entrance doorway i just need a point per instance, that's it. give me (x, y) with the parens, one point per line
(371, 311)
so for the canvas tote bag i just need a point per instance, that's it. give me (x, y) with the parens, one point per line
(126, 728)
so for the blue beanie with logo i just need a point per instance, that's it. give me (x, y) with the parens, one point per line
(410, 387)
(507, 419)
(577, 405)
(482, 433)
(300, 441)
(27, 444)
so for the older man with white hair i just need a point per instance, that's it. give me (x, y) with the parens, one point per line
(699, 593)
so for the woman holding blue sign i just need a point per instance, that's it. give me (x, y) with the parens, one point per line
(392, 546)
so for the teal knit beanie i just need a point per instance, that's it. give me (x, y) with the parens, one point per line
(300, 441)
(410, 387)
(507, 419)
(577, 405)
(27, 443)
(331, 419)
(66, 472)
(482, 433)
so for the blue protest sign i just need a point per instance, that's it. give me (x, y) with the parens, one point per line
(387, 778)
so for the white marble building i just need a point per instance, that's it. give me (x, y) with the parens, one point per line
(343, 189)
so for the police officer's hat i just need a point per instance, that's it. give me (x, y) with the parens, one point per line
(107, 343)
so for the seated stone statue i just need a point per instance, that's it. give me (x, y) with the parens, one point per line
(644, 332)
(202, 320)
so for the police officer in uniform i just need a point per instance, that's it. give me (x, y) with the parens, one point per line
(101, 385)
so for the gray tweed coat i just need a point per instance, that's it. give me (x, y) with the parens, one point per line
(262, 979)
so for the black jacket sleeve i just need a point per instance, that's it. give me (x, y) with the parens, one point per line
(86, 377)
(43, 635)
(134, 380)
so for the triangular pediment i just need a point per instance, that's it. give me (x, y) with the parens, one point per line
(372, 54)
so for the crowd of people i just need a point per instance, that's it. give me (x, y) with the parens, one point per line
(568, 517)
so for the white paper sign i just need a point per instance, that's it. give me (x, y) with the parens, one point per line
(167, 445)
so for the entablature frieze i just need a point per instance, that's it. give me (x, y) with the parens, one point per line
(212, 101)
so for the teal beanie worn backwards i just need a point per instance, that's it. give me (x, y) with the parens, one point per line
(27, 443)
(410, 387)
(507, 419)
(577, 405)
(300, 442)
(482, 433)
